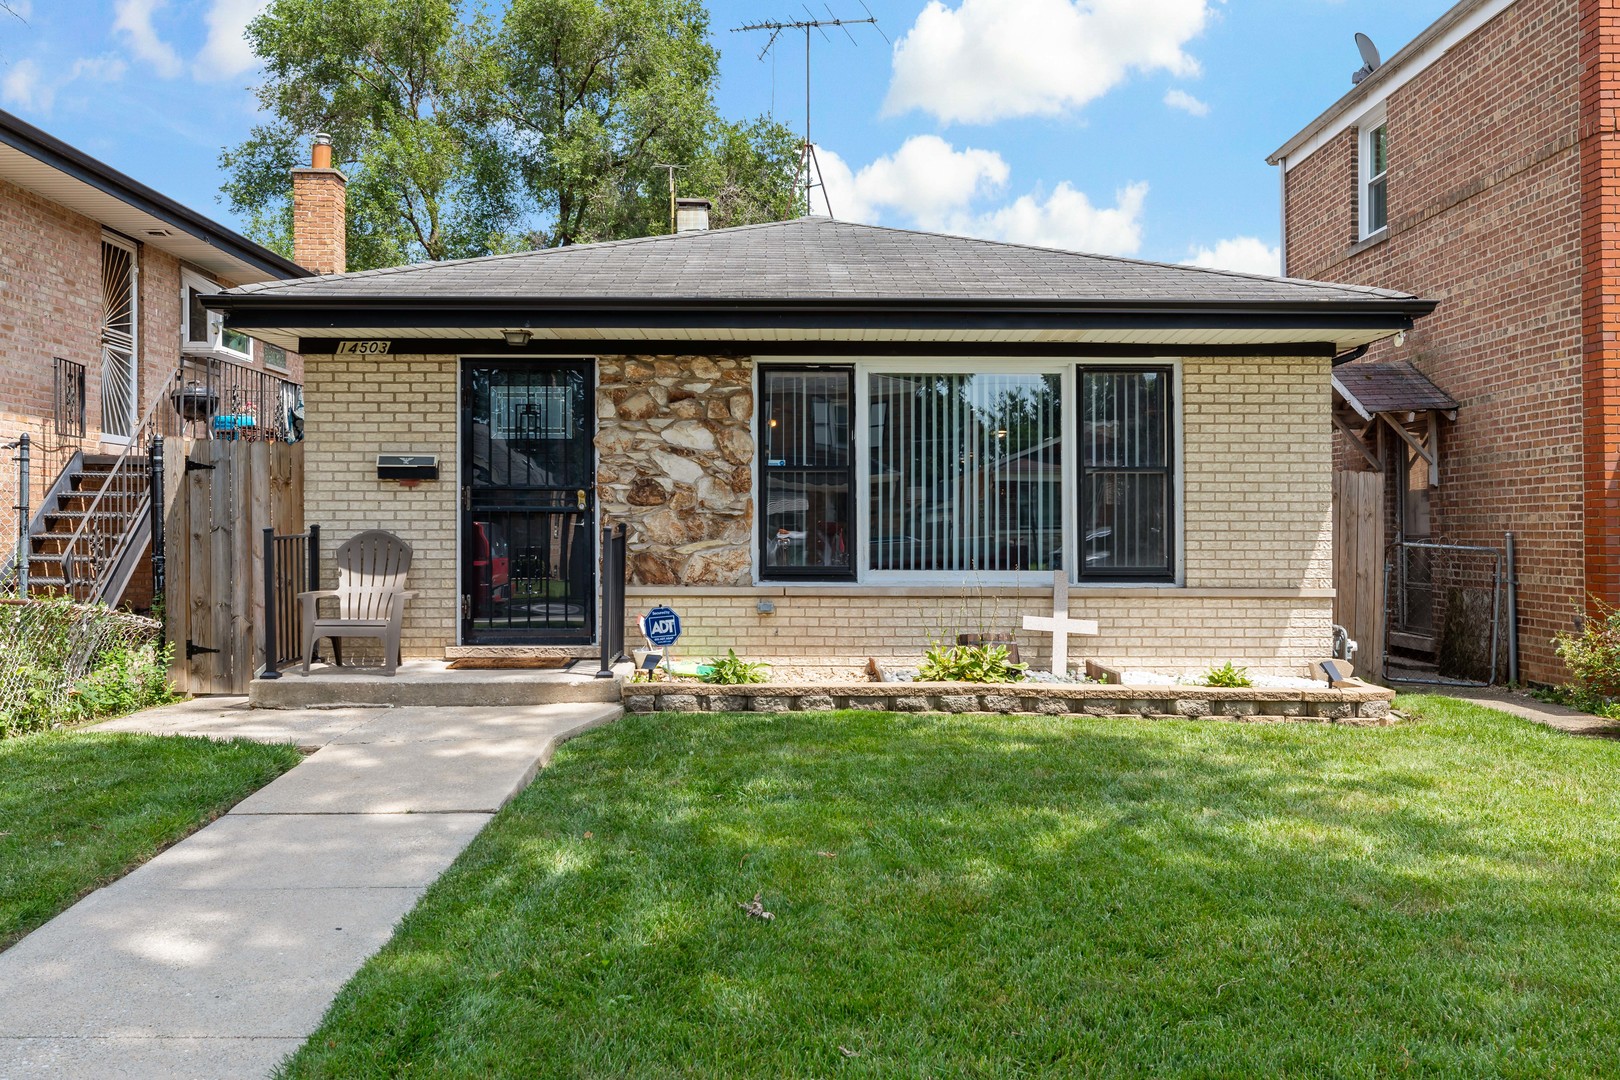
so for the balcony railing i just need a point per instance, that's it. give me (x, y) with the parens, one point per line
(212, 398)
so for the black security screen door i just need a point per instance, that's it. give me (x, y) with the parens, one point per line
(527, 503)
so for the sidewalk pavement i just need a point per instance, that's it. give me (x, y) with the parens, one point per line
(1557, 717)
(219, 956)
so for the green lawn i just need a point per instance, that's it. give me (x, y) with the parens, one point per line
(995, 896)
(79, 809)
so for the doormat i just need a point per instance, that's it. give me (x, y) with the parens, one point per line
(510, 663)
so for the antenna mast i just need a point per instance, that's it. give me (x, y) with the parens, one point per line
(809, 175)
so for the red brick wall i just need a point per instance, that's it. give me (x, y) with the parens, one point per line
(50, 306)
(1485, 216)
(1600, 160)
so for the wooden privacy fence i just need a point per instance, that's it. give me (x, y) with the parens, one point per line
(230, 492)
(1358, 565)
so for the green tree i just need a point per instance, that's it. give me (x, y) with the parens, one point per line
(389, 80)
(593, 96)
(465, 136)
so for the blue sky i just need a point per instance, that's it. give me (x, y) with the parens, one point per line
(1134, 127)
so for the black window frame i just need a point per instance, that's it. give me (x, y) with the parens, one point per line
(767, 572)
(1127, 575)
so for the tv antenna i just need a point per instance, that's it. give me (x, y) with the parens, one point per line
(1370, 59)
(809, 175)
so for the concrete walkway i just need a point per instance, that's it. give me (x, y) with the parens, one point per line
(218, 957)
(1557, 717)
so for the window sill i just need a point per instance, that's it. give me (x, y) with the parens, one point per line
(1369, 241)
(773, 589)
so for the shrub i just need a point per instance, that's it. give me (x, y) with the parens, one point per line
(1593, 657)
(1227, 675)
(64, 663)
(969, 663)
(733, 670)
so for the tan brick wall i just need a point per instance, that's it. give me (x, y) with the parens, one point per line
(1170, 629)
(355, 409)
(1256, 450)
(1485, 194)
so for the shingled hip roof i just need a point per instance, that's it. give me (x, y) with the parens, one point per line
(816, 273)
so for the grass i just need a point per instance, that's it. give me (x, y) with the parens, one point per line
(1000, 896)
(79, 809)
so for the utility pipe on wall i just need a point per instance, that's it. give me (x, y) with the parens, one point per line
(1512, 611)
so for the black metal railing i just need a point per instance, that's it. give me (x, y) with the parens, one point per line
(68, 399)
(611, 608)
(220, 399)
(292, 564)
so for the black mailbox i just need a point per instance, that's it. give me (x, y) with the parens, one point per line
(407, 466)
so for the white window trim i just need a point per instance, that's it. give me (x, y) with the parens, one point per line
(1366, 125)
(1067, 369)
(190, 279)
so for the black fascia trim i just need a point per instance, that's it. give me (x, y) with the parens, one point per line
(25, 138)
(494, 347)
(249, 313)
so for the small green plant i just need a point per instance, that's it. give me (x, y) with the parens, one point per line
(969, 663)
(1227, 675)
(1592, 655)
(733, 670)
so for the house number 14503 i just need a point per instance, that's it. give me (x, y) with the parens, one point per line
(363, 348)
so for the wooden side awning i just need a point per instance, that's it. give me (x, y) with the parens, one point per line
(1392, 395)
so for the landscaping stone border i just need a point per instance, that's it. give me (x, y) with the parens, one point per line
(1355, 702)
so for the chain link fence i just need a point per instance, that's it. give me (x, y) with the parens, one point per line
(61, 661)
(1446, 613)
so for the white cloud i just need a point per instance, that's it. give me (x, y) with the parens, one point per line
(929, 184)
(134, 19)
(22, 87)
(1067, 219)
(987, 60)
(927, 179)
(226, 53)
(1246, 254)
(1180, 99)
(26, 86)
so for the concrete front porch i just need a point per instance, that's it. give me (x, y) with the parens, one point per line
(435, 683)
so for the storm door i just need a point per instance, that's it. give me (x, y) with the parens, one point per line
(528, 556)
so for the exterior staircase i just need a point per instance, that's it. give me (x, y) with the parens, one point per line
(92, 527)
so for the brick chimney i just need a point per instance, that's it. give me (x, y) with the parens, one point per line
(320, 212)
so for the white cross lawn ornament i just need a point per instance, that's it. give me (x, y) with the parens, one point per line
(1060, 626)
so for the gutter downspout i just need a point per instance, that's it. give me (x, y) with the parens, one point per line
(1353, 355)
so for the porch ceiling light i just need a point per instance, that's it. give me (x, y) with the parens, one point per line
(516, 338)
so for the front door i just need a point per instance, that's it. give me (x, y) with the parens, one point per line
(528, 556)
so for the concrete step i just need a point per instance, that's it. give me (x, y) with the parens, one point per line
(431, 682)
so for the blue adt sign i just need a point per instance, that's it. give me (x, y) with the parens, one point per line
(663, 627)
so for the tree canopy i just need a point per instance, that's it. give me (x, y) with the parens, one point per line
(464, 134)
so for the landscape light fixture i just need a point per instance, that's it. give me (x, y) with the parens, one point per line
(517, 338)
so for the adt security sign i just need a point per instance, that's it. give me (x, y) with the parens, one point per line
(663, 627)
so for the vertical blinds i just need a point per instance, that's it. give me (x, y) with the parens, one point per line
(966, 472)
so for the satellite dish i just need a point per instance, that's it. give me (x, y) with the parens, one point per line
(1369, 57)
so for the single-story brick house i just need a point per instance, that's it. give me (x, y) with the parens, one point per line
(836, 440)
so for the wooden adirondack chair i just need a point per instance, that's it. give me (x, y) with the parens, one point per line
(370, 594)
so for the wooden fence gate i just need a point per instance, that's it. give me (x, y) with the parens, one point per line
(230, 493)
(1358, 565)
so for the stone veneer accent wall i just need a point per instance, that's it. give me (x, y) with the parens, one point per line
(676, 464)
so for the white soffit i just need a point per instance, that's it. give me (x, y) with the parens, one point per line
(1407, 64)
(31, 174)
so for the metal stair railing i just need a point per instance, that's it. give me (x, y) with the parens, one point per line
(96, 548)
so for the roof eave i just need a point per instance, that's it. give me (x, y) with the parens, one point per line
(250, 311)
(1381, 74)
(27, 139)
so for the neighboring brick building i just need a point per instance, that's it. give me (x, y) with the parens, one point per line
(99, 280)
(1477, 167)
